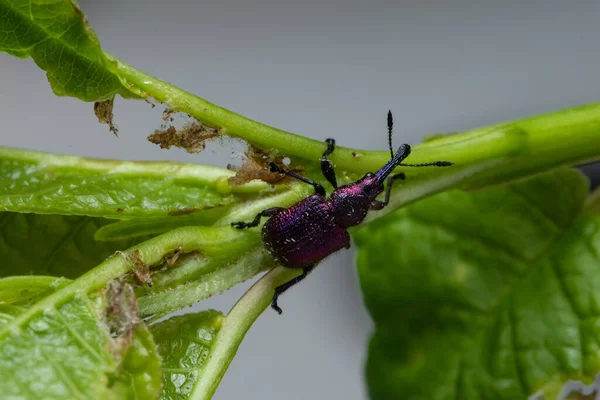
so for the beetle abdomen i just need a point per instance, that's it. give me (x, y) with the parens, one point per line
(304, 234)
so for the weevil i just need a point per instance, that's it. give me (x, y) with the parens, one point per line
(304, 234)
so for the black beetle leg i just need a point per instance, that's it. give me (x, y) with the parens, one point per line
(282, 288)
(269, 212)
(326, 166)
(378, 205)
(320, 190)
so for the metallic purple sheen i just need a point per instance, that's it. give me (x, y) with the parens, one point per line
(304, 234)
(315, 227)
(352, 202)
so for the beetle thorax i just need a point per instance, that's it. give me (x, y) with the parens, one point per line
(351, 203)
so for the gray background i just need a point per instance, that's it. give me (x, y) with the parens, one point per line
(320, 69)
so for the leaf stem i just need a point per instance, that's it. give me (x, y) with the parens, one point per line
(541, 142)
(151, 252)
(159, 304)
(234, 328)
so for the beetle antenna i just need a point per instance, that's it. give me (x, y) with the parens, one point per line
(390, 122)
(430, 164)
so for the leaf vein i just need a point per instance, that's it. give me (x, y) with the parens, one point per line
(519, 369)
(535, 207)
(75, 335)
(69, 383)
(580, 317)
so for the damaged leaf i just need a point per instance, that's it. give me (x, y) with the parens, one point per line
(192, 137)
(58, 37)
(141, 270)
(492, 294)
(256, 166)
(65, 352)
(53, 184)
(170, 261)
(168, 114)
(104, 113)
(140, 373)
(121, 309)
(81, 340)
(251, 170)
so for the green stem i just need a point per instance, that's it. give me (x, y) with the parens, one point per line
(507, 151)
(162, 303)
(228, 122)
(234, 328)
(568, 136)
(151, 252)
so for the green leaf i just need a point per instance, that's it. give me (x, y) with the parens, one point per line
(39, 338)
(55, 245)
(64, 245)
(140, 375)
(184, 343)
(67, 351)
(492, 294)
(35, 369)
(245, 266)
(22, 290)
(52, 184)
(58, 37)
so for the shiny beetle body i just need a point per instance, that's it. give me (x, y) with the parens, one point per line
(305, 233)
(302, 235)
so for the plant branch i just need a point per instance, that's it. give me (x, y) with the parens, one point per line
(528, 146)
(151, 252)
(234, 328)
(162, 303)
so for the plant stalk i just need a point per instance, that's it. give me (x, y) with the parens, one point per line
(241, 317)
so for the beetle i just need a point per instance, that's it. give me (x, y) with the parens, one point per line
(304, 234)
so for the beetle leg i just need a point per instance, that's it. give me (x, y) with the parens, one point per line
(269, 212)
(320, 190)
(326, 166)
(282, 288)
(378, 205)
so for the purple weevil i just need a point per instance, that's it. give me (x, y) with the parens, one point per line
(314, 228)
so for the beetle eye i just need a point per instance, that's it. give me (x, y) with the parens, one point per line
(369, 175)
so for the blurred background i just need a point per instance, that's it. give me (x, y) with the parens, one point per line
(320, 69)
